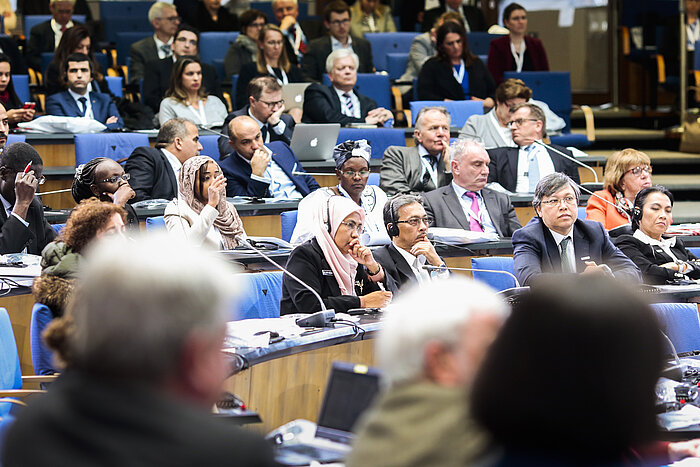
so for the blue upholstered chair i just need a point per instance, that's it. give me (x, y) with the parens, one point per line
(460, 111)
(210, 146)
(261, 299)
(21, 83)
(378, 87)
(116, 146)
(694, 250)
(116, 85)
(288, 220)
(581, 212)
(213, 45)
(57, 228)
(373, 179)
(131, 16)
(378, 138)
(497, 263)
(16, 138)
(384, 43)
(123, 43)
(480, 42)
(396, 64)
(680, 323)
(155, 223)
(42, 357)
(32, 20)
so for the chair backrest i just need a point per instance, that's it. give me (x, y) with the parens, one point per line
(388, 42)
(480, 42)
(116, 85)
(10, 372)
(116, 146)
(123, 43)
(234, 83)
(210, 146)
(21, 83)
(155, 223)
(32, 20)
(214, 45)
(57, 228)
(12, 138)
(378, 87)
(396, 64)
(581, 213)
(288, 220)
(261, 299)
(42, 357)
(374, 178)
(693, 249)
(460, 111)
(378, 138)
(124, 16)
(497, 263)
(551, 87)
(680, 323)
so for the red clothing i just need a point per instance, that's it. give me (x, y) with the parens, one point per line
(600, 211)
(501, 59)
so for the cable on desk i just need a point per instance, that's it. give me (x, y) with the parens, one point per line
(355, 327)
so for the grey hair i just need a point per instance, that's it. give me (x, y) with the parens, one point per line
(156, 10)
(392, 206)
(550, 184)
(277, 1)
(67, 1)
(424, 110)
(137, 302)
(464, 146)
(337, 55)
(535, 112)
(173, 128)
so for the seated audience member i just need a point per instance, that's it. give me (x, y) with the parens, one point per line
(78, 101)
(352, 169)
(516, 51)
(424, 166)
(626, 173)
(75, 40)
(211, 16)
(334, 263)
(8, 97)
(336, 18)
(661, 258)
(403, 259)
(610, 335)
(297, 33)
(266, 107)
(466, 203)
(159, 72)
(271, 61)
(519, 169)
(163, 16)
(429, 360)
(44, 37)
(455, 73)
(187, 98)
(148, 405)
(254, 169)
(201, 213)
(370, 16)
(556, 242)
(472, 16)
(339, 103)
(9, 18)
(154, 171)
(105, 179)
(245, 48)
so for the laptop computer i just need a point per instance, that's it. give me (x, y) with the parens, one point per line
(293, 95)
(313, 142)
(349, 392)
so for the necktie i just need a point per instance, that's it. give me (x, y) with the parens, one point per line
(565, 260)
(348, 104)
(302, 44)
(533, 168)
(83, 105)
(166, 49)
(63, 29)
(432, 161)
(474, 224)
(265, 132)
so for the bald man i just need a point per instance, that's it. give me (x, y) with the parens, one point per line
(260, 171)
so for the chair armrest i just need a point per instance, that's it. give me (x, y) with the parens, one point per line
(227, 98)
(20, 392)
(625, 40)
(590, 121)
(39, 378)
(12, 401)
(661, 68)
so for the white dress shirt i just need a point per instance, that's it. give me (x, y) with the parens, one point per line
(337, 45)
(175, 164)
(665, 244)
(569, 248)
(88, 104)
(544, 162)
(57, 33)
(505, 133)
(281, 186)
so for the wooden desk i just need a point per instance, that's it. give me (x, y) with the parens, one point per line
(19, 306)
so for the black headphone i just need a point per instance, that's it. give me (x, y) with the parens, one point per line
(392, 228)
(637, 214)
(328, 214)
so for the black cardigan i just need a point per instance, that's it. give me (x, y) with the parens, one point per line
(436, 81)
(649, 259)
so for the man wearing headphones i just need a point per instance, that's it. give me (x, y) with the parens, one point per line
(407, 225)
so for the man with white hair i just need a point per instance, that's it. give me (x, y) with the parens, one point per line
(165, 20)
(429, 361)
(44, 37)
(145, 365)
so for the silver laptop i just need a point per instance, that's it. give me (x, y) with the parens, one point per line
(293, 95)
(312, 142)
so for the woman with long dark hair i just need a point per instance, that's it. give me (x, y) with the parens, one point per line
(8, 97)
(74, 40)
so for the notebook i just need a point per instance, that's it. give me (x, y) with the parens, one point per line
(312, 142)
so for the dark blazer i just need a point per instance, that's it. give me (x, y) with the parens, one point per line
(141, 52)
(238, 171)
(54, 84)
(322, 105)
(314, 65)
(395, 265)
(436, 82)
(649, 259)
(501, 59)
(286, 137)
(535, 252)
(41, 39)
(446, 210)
(250, 71)
(308, 263)
(402, 172)
(504, 165)
(62, 103)
(203, 21)
(157, 81)
(14, 236)
(474, 15)
(17, 62)
(152, 176)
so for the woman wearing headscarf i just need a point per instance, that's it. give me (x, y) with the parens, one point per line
(334, 264)
(201, 213)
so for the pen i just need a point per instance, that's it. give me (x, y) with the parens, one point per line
(26, 169)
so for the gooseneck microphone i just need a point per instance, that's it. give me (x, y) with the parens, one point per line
(495, 271)
(572, 159)
(625, 213)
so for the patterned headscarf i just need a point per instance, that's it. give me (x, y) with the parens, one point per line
(344, 151)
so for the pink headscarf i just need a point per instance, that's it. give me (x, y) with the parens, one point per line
(342, 264)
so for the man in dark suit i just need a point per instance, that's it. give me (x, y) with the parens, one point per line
(556, 242)
(297, 33)
(265, 106)
(163, 16)
(466, 203)
(259, 171)
(154, 172)
(157, 76)
(336, 17)
(44, 37)
(339, 103)
(519, 169)
(473, 16)
(76, 101)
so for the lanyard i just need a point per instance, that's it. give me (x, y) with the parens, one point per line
(370, 23)
(284, 79)
(459, 75)
(200, 112)
(518, 57)
(429, 167)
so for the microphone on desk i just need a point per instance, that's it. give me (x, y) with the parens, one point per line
(428, 267)
(572, 159)
(65, 190)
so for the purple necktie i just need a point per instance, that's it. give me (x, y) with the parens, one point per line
(474, 224)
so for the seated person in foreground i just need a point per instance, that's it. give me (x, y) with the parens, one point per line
(661, 258)
(352, 169)
(556, 242)
(77, 101)
(201, 213)
(254, 169)
(334, 263)
(519, 169)
(466, 203)
(338, 103)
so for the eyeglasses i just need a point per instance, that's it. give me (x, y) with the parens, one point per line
(353, 174)
(353, 226)
(116, 178)
(569, 200)
(520, 121)
(340, 22)
(171, 18)
(272, 105)
(184, 39)
(414, 221)
(256, 25)
(638, 170)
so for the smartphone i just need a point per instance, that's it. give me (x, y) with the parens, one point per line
(29, 105)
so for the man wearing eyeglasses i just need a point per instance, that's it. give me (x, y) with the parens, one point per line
(165, 20)
(556, 242)
(44, 37)
(519, 169)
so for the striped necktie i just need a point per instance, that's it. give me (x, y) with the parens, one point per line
(348, 104)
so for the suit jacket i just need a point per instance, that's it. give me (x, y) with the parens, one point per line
(141, 52)
(649, 259)
(474, 15)
(402, 172)
(41, 39)
(535, 251)
(15, 236)
(152, 176)
(395, 265)
(312, 29)
(436, 82)
(314, 65)
(422, 48)
(504, 166)
(322, 105)
(157, 81)
(238, 171)
(286, 137)
(62, 103)
(501, 59)
(446, 210)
